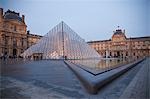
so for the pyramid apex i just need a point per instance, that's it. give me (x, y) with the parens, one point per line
(62, 23)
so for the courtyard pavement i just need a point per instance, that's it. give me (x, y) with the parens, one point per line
(52, 79)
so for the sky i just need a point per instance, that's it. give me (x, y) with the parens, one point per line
(90, 19)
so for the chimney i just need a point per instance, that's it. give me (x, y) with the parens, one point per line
(28, 32)
(23, 18)
(1, 11)
(1, 14)
(124, 31)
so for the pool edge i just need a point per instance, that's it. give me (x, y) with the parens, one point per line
(93, 83)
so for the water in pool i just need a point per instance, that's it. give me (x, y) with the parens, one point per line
(100, 65)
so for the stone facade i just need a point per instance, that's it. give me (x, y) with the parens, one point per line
(14, 38)
(121, 46)
(32, 39)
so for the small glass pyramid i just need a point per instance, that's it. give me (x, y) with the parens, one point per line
(62, 43)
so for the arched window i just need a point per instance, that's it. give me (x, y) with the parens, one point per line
(126, 53)
(110, 53)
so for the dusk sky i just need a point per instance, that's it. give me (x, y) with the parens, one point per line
(90, 19)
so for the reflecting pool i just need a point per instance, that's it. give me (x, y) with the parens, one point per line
(101, 65)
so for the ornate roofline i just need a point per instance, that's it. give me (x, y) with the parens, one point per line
(133, 38)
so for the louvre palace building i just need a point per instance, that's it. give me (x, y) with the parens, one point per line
(14, 37)
(121, 46)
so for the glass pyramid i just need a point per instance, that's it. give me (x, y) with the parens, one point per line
(62, 43)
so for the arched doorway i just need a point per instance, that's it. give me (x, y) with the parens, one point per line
(14, 52)
(118, 54)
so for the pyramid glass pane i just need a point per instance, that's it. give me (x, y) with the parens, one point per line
(62, 42)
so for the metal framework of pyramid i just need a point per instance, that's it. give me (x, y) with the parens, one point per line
(62, 42)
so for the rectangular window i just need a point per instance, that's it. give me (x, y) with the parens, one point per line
(14, 42)
(6, 40)
(14, 28)
(22, 42)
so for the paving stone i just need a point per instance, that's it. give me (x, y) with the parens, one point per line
(138, 87)
(12, 93)
(61, 83)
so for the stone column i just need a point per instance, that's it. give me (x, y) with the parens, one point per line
(107, 53)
